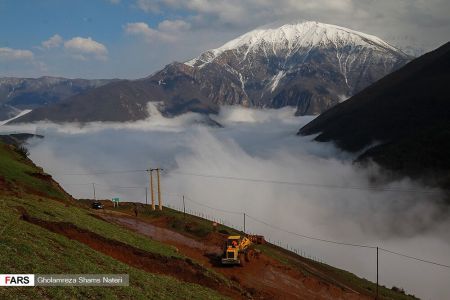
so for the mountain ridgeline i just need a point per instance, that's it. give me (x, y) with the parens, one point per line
(406, 116)
(310, 66)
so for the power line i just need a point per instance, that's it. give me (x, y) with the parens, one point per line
(210, 207)
(259, 180)
(278, 228)
(122, 187)
(107, 185)
(310, 237)
(416, 258)
(104, 172)
(325, 240)
(371, 188)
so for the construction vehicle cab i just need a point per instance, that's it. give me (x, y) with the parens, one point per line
(237, 251)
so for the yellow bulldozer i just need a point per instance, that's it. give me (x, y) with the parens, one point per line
(239, 250)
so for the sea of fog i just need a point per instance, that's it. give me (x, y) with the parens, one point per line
(302, 186)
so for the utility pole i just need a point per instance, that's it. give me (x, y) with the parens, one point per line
(159, 189)
(152, 195)
(93, 187)
(146, 196)
(377, 275)
(184, 208)
(244, 222)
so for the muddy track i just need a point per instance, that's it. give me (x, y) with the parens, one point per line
(182, 269)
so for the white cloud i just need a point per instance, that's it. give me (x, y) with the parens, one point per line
(140, 28)
(21, 63)
(174, 25)
(53, 42)
(167, 31)
(149, 5)
(260, 144)
(85, 48)
(427, 21)
(9, 54)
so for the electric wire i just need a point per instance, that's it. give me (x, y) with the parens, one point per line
(371, 188)
(310, 237)
(415, 258)
(325, 240)
(259, 180)
(210, 207)
(103, 172)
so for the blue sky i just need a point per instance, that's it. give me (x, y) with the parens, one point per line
(134, 38)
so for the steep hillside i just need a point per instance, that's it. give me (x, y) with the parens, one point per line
(167, 255)
(406, 115)
(310, 66)
(19, 176)
(47, 232)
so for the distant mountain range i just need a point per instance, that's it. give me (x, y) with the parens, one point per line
(310, 66)
(403, 120)
(17, 94)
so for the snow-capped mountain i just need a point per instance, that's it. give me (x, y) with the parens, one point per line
(310, 66)
(290, 39)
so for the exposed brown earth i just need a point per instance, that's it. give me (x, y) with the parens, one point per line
(263, 278)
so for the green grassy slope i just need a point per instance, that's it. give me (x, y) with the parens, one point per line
(27, 248)
(22, 176)
(32, 249)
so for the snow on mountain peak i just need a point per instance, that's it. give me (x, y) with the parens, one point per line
(293, 37)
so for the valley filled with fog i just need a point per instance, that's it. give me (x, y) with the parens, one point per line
(296, 184)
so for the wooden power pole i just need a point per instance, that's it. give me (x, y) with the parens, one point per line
(152, 194)
(146, 202)
(377, 275)
(93, 187)
(159, 190)
(184, 208)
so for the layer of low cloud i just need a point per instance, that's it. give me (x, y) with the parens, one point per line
(261, 144)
